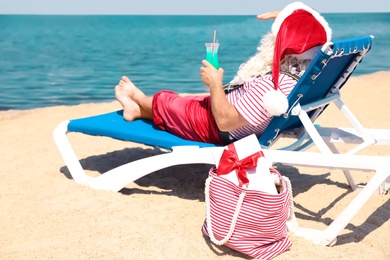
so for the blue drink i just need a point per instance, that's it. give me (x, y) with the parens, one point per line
(212, 54)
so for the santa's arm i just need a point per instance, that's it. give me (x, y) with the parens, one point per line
(268, 15)
(225, 114)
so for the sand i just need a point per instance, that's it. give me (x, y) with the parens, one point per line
(46, 215)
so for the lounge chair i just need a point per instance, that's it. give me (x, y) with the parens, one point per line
(318, 87)
(332, 68)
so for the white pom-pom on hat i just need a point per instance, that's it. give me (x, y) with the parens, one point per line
(275, 102)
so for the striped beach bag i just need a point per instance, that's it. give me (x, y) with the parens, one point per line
(252, 222)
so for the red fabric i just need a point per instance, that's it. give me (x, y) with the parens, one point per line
(188, 117)
(229, 162)
(298, 33)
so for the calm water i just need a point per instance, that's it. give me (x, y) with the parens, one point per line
(68, 60)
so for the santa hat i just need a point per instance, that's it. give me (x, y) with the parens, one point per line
(297, 28)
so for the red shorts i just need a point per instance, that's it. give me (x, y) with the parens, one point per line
(189, 117)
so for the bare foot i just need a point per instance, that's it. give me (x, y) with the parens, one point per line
(124, 92)
(131, 90)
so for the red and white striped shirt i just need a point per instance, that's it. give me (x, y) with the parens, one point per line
(248, 100)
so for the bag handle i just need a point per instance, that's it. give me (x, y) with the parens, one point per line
(291, 214)
(208, 214)
(237, 211)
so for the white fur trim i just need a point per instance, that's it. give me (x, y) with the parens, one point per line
(289, 9)
(275, 102)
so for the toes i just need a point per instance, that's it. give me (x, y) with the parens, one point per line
(122, 83)
(126, 79)
(118, 89)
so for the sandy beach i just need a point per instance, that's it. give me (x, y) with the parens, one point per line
(46, 215)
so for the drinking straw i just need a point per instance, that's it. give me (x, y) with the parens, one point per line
(212, 47)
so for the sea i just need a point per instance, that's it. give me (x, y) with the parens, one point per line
(53, 60)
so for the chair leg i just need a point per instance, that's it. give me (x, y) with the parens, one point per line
(117, 178)
(347, 173)
(357, 203)
(379, 164)
(69, 156)
(384, 188)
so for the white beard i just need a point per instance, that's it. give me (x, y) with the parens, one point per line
(259, 64)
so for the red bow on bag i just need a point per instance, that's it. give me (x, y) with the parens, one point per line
(229, 161)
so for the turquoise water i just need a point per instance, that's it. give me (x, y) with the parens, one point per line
(68, 60)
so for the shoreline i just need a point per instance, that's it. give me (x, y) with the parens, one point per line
(184, 93)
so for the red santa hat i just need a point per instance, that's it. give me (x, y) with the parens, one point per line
(297, 28)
